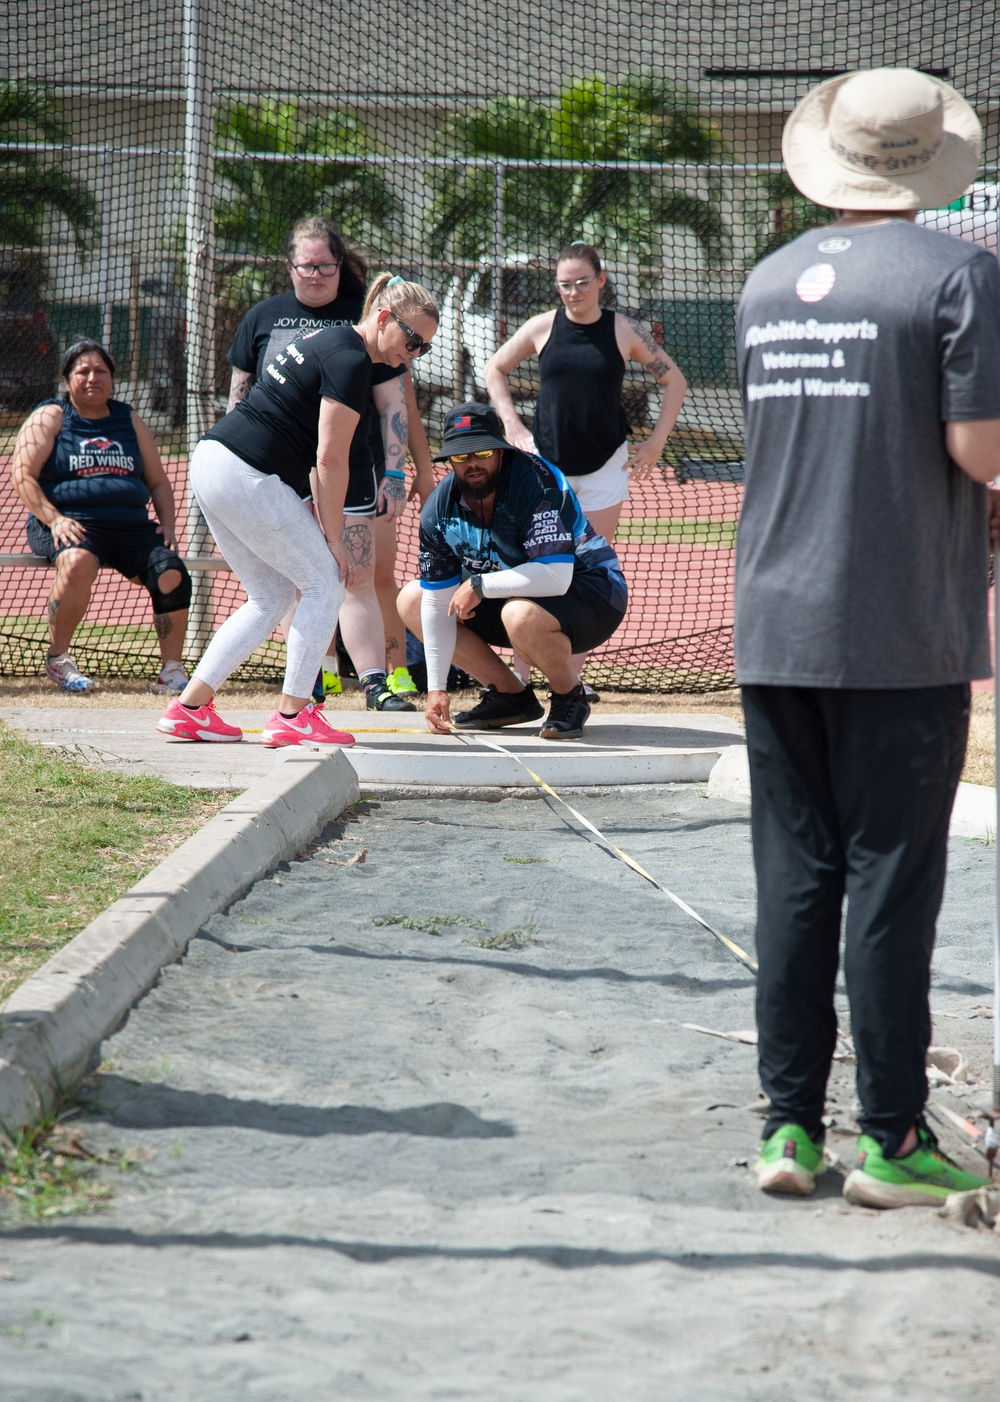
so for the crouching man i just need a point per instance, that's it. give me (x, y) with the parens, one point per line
(508, 559)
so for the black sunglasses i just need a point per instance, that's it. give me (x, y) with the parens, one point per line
(415, 344)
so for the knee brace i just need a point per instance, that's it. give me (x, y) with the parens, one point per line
(160, 560)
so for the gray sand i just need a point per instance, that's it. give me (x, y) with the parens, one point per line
(394, 1164)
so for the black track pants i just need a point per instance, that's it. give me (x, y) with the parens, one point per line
(851, 796)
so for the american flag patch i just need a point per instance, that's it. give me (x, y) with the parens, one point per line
(816, 282)
(464, 422)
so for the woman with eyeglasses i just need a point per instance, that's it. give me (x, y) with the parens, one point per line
(580, 424)
(252, 475)
(328, 289)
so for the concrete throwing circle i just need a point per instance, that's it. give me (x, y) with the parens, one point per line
(660, 749)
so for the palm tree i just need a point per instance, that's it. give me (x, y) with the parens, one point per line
(33, 184)
(267, 197)
(643, 118)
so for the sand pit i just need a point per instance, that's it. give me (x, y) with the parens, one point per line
(480, 1156)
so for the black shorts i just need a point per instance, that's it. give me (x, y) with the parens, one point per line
(362, 492)
(124, 546)
(585, 618)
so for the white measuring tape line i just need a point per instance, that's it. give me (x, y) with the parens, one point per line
(724, 940)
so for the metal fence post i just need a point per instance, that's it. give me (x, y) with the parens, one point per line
(104, 263)
(498, 175)
(199, 230)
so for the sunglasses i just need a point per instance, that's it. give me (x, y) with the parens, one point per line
(415, 344)
(467, 457)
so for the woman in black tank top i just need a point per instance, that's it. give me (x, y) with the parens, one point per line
(580, 424)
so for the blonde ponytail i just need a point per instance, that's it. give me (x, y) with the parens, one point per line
(405, 298)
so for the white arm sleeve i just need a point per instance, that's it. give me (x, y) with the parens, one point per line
(440, 629)
(538, 579)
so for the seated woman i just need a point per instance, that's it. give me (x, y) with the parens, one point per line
(86, 467)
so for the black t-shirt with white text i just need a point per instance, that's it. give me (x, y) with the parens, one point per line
(276, 427)
(272, 325)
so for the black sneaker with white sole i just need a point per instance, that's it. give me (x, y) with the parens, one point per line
(569, 712)
(378, 697)
(497, 709)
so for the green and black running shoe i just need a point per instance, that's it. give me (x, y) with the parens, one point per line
(378, 697)
(400, 683)
(923, 1178)
(790, 1162)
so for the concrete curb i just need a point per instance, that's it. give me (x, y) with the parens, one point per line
(52, 1022)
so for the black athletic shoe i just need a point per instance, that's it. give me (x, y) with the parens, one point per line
(378, 697)
(568, 713)
(497, 709)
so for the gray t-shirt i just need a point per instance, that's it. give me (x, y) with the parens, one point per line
(861, 557)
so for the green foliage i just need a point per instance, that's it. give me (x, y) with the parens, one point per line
(33, 184)
(265, 198)
(45, 1172)
(73, 838)
(642, 119)
(789, 213)
(523, 937)
(429, 925)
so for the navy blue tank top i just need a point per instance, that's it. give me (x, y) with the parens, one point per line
(579, 418)
(95, 469)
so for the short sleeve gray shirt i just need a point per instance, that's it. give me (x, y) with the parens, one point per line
(862, 548)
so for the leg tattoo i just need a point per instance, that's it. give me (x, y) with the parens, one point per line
(358, 539)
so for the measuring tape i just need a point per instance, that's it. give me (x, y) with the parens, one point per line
(746, 959)
(733, 948)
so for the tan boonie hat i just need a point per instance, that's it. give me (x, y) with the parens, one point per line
(888, 138)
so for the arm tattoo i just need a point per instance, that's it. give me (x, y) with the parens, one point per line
(394, 489)
(358, 539)
(239, 387)
(644, 336)
(660, 365)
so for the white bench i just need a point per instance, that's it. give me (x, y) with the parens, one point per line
(193, 562)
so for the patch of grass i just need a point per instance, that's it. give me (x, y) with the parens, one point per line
(523, 937)
(665, 530)
(428, 924)
(73, 838)
(526, 861)
(46, 1172)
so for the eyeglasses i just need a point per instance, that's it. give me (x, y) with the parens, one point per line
(466, 457)
(577, 284)
(314, 269)
(415, 344)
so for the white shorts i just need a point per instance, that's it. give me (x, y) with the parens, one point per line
(606, 487)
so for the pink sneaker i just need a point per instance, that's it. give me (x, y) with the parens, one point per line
(309, 727)
(203, 724)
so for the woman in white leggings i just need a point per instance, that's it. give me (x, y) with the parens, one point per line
(250, 475)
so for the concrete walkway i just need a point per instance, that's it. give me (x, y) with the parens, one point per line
(394, 748)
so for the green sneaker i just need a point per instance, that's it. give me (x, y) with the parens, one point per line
(331, 684)
(921, 1179)
(790, 1162)
(400, 683)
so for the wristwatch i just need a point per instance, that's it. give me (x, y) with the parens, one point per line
(476, 582)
